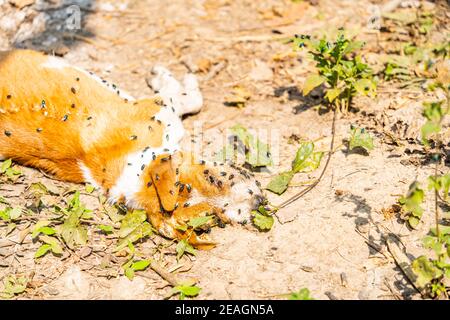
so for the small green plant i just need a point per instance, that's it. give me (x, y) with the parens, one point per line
(306, 160)
(10, 214)
(50, 244)
(412, 204)
(134, 227)
(13, 285)
(66, 228)
(9, 171)
(263, 218)
(433, 273)
(106, 229)
(186, 289)
(72, 231)
(343, 72)
(134, 263)
(183, 247)
(302, 294)
(360, 138)
(434, 112)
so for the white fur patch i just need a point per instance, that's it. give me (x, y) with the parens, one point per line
(87, 175)
(55, 63)
(129, 181)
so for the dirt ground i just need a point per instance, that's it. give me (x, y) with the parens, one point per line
(332, 241)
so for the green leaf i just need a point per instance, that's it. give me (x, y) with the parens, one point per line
(38, 189)
(304, 152)
(444, 230)
(106, 229)
(199, 221)
(186, 290)
(337, 67)
(5, 165)
(425, 271)
(12, 174)
(142, 231)
(129, 273)
(4, 215)
(15, 213)
(53, 242)
(433, 111)
(14, 285)
(258, 154)
(365, 87)
(312, 163)
(184, 247)
(182, 228)
(332, 94)
(42, 250)
(428, 129)
(114, 214)
(440, 183)
(140, 265)
(280, 183)
(360, 138)
(38, 226)
(89, 188)
(311, 82)
(132, 220)
(352, 46)
(72, 232)
(411, 203)
(302, 294)
(306, 159)
(46, 230)
(413, 222)
(262, 222)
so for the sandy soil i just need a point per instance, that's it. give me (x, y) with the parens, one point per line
(331, 241)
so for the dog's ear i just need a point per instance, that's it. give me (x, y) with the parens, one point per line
(164, 179)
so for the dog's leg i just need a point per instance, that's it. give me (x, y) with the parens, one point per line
(184, 97)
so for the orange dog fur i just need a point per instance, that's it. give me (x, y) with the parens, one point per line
(71, 124)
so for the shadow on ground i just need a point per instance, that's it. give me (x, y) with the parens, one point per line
(49, 26)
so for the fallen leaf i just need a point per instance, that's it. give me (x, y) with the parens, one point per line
(239, 97)
(280, 183)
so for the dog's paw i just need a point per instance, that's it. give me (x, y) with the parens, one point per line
(185, 98)
(191, 98)
(244, 197)
(164, 83)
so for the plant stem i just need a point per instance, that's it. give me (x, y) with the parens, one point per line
(436, 208)
(349, 95)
